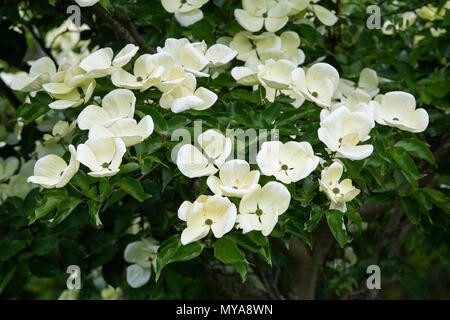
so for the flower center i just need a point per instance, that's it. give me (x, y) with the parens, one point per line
(139, 79)
(314, 94)
(395, 119)
(105, 165)
(284, 167)
(258, 212)
(208, 222)
(336, 190)
(264, 15)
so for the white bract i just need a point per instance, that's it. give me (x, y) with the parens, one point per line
(102, 155)
(398, 109)
(101, 63)
(318, 84)
(248, 74)
(118, 104)
(67, 96)
(150, 70)
(260, 207)
(189, 56)
(288, 162)
(276, 74)
(249, 45)
(207, 213)
(142, 255)
(342, 130)
(338, 192)
(86, 3)
(219, 55)
(41, 71)
(192, 163)
(129, 130)
(235, 179)
(186, 12)
(186, 96)
(52, 171)
(258, 13)
(368, 82)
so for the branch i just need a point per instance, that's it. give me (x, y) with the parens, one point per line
(9, 94)
(133, 32)
(125, 31)
(41, 44)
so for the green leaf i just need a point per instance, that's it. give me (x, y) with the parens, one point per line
(47, 203)
(407, 165)
(65, 207)
(227, 251)
(336, 223)
(10, 248)
(94, 211)
(172, 250)
(314, 218)
(105, 189)
(133, 187)
(411, 209)
(28, 112)
(417, 149)
(354, 216)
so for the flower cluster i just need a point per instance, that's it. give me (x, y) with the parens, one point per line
(274, 14)
(112, 127)
(259, 207)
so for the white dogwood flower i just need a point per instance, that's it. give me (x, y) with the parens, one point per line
(41, 71)
(142, 254)
(192, 163)
(398, 109)
(150, 70)
(187, 12)
(276, 74)
(118, 104)
(342, 130)
(318, 84)
(52, 171)
(260, 207)
(357, 101)
(338, 192)
(235, 179)
(102, 155)
(250, 45)
(189, 56)
(207, 213)
(258, 13)
(288, 162)
(101, 63)
(67, 96)
(187, 96)
(127, 129)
